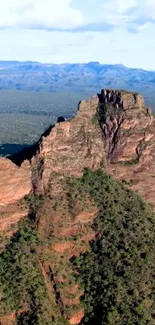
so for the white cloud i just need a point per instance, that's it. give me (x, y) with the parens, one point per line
(86, 14)
(118, 46)
(128, 13)
(39, 14)
(24, 35)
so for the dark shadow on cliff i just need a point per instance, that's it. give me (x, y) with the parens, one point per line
(7, 149)
(28, 152)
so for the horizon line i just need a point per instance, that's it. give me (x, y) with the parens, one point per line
(76, 63)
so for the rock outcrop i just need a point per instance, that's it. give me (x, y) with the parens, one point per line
(15, 182)
(114, 131)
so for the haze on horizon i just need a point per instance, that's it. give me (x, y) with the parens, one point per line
(108, 31)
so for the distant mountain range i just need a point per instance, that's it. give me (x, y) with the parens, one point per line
(87, 77)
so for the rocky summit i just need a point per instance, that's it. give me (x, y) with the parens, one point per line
(114, 131)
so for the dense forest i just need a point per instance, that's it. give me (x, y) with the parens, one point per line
(116, 274)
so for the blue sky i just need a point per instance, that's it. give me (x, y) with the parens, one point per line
(108, 31)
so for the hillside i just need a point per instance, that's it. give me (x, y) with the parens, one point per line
(77, 245)
(85, 78)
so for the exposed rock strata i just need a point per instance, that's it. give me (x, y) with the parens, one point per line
(123, 144)
(113, 130)
(15, 182)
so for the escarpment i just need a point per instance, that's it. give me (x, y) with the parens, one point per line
(113, 131)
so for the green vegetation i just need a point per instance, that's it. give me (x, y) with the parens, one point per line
(28, 114)
(106, 110)
(21, 281)
(22, 285)
(95, 119)
(33, 201)
(118, 273)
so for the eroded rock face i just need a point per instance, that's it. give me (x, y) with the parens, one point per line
(15, 182)
(113, 130)
(129, 138)
(73, 145)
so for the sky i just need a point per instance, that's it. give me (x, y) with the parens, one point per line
(58, 31)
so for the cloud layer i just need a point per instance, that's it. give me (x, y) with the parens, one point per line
(39, 14)
(109, 31)
(67, 15)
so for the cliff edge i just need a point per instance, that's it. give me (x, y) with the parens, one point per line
(114, 131)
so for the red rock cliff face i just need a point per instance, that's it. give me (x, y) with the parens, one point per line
(73, 145)
(128, 132)
(113, 130)
(15, 182)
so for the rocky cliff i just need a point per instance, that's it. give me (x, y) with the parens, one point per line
(113, 131)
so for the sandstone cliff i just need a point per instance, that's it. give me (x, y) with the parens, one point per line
(114, 131)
